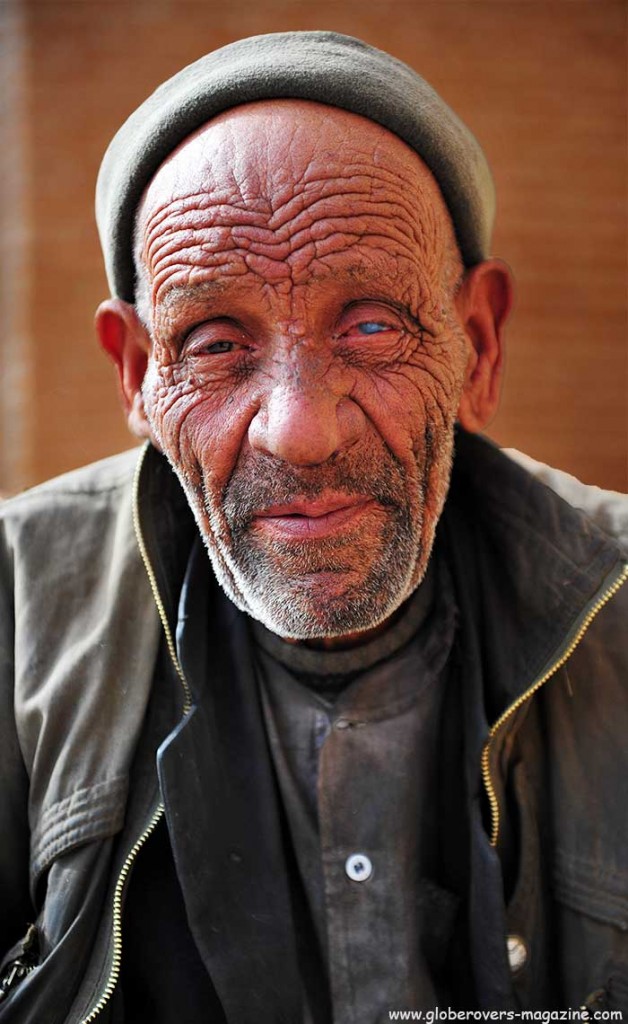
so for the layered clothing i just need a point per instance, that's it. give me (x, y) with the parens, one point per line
(130, 705)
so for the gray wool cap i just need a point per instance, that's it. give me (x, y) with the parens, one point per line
(322, 66)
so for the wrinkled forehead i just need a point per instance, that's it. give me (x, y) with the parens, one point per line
(264, 155)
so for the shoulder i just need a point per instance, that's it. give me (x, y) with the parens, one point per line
(62, 523)
(607, 509)
(75, 497)
(100, 478)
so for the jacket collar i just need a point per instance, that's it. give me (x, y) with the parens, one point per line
(528, 562)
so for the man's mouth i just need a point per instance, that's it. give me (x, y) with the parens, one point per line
(310, 518)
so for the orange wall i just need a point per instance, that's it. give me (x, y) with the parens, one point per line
(543, 85)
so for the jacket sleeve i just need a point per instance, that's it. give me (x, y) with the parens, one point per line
(15, 906)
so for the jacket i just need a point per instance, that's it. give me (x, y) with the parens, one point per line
(91, 572)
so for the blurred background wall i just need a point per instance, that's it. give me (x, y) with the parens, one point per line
(542, 85)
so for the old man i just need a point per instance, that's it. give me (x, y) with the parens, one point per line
(367, 758)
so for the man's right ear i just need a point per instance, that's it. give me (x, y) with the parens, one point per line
(127, 342)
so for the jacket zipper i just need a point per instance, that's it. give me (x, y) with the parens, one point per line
(116, 958)
(15, 972)
(118, 894)
(152, 579)
(22, 964)
(558, 663)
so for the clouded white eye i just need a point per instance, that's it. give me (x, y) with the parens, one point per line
(367, 319)
(372, 327)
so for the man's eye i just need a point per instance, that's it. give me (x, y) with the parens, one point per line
(219, 346)
(213, 338)
(354, 330)
(372, 327)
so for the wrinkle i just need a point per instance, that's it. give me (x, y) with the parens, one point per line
(281, 227)
(221, 222)
(295, 256)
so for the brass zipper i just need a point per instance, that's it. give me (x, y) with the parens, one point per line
(536, 685)
(116, 958)
(118, 893)
(137, 526)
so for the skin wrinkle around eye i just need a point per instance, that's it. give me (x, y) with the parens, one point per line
(393, 346)
(175, 278)
(210, 299)
(395, 360)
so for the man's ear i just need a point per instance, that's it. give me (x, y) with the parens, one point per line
(483, 302)
(127, 342)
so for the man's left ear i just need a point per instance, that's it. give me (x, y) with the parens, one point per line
(483, 302)
(127, 342)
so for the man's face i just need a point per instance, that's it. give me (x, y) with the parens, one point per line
(307, 362)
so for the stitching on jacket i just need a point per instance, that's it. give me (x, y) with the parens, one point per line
(583, 869)
(88, 813)
(81, 799)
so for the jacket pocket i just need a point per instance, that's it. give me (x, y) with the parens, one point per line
(592, 934)
(591, 889)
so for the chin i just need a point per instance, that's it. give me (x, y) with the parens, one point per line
(322, 605)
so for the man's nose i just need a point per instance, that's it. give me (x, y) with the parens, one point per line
(305, 425)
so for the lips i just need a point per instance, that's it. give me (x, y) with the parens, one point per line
(311, 518)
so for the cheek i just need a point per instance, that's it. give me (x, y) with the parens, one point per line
(201, 429)
(412, 400)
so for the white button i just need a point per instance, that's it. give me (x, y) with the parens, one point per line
(517, 952)
(358, 867)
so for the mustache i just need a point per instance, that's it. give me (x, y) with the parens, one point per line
(262, 482)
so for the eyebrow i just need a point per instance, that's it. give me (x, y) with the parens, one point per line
(357, 273)
(200, 290)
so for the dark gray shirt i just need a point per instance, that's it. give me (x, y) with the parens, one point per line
(357, 779)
